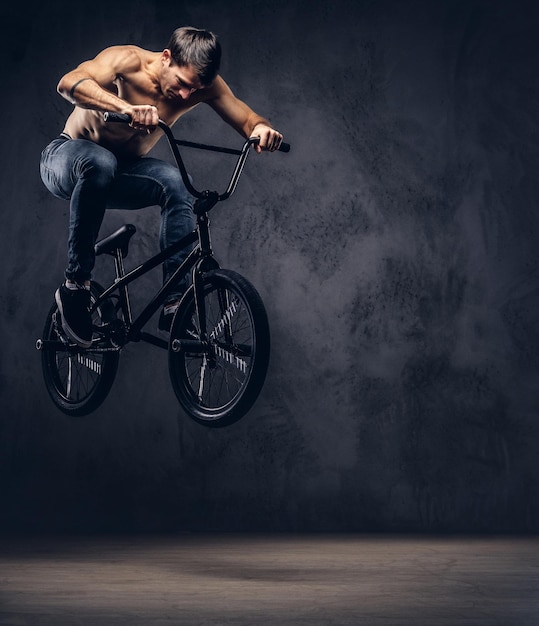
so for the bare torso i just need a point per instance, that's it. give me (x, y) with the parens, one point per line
(137, 83)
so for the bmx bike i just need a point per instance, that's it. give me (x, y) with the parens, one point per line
(219, 342)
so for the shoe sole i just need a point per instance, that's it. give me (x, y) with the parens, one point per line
(83, 343)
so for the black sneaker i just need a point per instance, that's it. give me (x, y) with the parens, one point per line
(167, 315)
(74, 306)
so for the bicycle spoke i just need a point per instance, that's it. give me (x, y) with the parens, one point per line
(90, 364)
(229, 311)
(81, 373)
(69, 376)
(202, 377)
(231, 358)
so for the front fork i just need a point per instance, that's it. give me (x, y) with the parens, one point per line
(207, 261)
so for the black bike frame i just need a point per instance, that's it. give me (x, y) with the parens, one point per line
(134, 327)
(199, 259)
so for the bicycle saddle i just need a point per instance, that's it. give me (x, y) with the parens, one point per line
(118, 240)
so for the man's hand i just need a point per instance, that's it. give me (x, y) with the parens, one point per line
(270, 139)
(144, 117)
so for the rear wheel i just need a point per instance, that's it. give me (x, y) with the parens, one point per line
(217, 376)
(79, 379)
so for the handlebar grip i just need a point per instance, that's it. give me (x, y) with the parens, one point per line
(123, 118)
(284, 147)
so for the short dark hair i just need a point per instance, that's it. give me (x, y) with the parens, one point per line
(198, 48)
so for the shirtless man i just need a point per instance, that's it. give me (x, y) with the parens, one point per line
(97, 165)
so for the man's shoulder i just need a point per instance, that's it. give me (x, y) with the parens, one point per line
(129, 57)
(213, 91)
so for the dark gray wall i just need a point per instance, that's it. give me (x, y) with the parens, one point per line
(395, 247)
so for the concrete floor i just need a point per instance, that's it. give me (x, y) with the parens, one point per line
(279, 580)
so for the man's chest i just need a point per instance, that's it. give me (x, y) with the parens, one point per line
(139, 89)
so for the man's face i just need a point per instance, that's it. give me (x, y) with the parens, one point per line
(178, 81)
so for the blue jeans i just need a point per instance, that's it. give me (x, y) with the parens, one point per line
(94, 180)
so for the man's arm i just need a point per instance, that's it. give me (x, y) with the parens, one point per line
(241, 117)
(91, 85)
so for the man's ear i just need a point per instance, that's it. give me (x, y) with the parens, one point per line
(166, 57)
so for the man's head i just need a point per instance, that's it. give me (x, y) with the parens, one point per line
(198, 49)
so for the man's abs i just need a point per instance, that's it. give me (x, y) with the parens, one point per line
(120, 139)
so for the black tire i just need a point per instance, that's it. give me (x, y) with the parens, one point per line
(216, 383)
(78, 379)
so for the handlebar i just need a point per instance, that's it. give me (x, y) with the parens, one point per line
(242, 154)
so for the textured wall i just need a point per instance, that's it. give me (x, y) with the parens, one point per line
(395, 248)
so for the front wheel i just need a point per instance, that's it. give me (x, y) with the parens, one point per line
(79, 379)
(219, 353)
